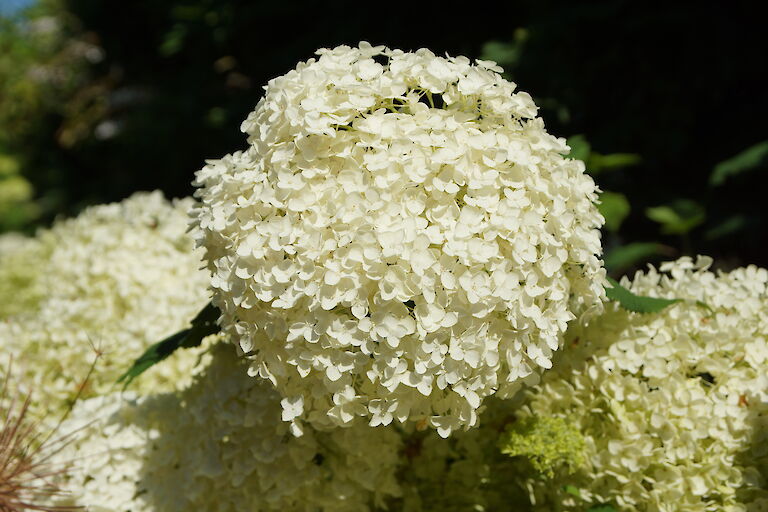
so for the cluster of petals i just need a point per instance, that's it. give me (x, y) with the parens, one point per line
(104, 285)
(219, 445)
(400, 240)
(673, 406)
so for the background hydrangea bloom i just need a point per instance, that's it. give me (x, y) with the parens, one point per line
(220, 446)
(116, 278)
(400, 240)
(672, 409)
(673, 406)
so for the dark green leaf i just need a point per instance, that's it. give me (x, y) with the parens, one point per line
(749, 159)
(204, 324)
(636, 303)
(626, 256)
(615, 208)
(727, 227)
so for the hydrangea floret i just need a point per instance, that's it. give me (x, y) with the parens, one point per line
(400, 240)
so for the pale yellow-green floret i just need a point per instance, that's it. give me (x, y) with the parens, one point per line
(547, 442)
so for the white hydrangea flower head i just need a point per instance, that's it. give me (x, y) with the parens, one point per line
(220, 445)
(401, 238)
(673, 406)
(116, 278)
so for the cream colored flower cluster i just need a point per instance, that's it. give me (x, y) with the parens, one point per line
(673, 406)
(672, 409)
(220, 446)
(401, 239)
(114, 279)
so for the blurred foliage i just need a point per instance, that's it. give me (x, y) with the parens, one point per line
(754, 157)
(43, 66)
(614, 207)
(665, 104)
(17, 208)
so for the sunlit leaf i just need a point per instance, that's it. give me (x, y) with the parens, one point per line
(636, 303)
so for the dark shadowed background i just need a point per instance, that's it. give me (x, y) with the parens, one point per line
(666, 103)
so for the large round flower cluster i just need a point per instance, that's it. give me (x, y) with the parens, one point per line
(113, 280)
(220, 446)
(673, 407)
(401, 239)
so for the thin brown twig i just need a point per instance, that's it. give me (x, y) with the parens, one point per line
(26, 472)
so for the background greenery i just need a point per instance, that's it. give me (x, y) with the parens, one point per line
(665, 102)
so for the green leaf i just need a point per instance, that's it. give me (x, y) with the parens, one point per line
(204, 324)
(615, 208)
(726, 227)
(509, 53)
(678, 217)
(598, 163)
(632, 254)
(636, 303)
(749, 159)
(572, 490)
(580, 147)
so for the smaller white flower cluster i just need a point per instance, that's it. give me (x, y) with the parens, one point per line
(115, 279)
(401, 239)
(672, 409)
(673, 406)
(220, 446)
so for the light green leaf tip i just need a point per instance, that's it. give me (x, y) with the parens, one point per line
(636, 303)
